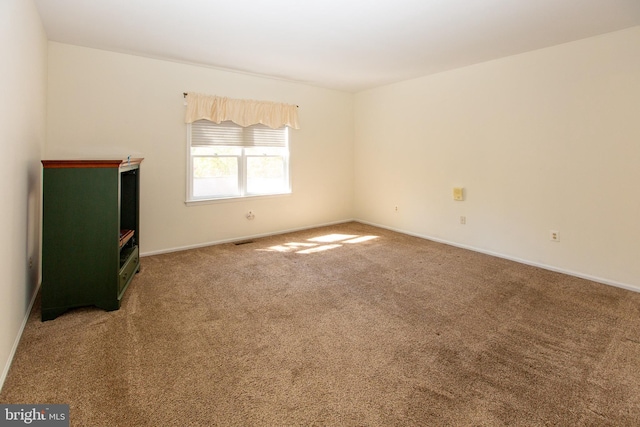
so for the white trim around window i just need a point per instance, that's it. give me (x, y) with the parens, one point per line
(228, 162)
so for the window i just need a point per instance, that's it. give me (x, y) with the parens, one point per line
(228, 161)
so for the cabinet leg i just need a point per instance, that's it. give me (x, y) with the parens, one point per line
(109, 305)
(52, 313)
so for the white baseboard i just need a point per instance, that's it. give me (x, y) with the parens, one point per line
(422, 236)
(240, 238)
(511, 258)
(16, 342)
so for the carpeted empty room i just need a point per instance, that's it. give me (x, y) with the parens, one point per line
(341, 325)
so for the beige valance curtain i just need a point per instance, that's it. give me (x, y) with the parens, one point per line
(240, 111)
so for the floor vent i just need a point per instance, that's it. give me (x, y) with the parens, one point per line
(242, 242)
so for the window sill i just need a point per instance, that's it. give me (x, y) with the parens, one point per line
(197, 202)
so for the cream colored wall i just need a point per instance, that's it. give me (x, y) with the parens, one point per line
(103, 104)
(22, 131)
(547, 140)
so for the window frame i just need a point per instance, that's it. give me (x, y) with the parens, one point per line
(242, 172)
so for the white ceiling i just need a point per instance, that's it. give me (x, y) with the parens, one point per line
(341, 44)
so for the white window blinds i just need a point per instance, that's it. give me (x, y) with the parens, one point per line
(205, 133)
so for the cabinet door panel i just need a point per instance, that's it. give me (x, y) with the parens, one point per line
(80, 240)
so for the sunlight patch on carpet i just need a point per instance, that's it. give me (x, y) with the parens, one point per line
(309, 248)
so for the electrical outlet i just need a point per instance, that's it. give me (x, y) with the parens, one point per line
(250, 215)
(396, 209)
(554, 235)
(463, 220)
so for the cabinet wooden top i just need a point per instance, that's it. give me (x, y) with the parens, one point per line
(52, 164)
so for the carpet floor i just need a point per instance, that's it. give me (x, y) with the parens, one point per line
(346, 325)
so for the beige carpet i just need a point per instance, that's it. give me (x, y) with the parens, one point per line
(342, 330)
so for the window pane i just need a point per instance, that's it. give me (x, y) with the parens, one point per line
(215, 176)
(266, 175)
(229, 161)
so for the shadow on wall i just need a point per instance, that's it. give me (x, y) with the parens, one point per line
(33, 229)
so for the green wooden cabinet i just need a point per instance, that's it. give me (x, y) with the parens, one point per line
(90, 233)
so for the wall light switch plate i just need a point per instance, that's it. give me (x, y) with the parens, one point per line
(458, 193)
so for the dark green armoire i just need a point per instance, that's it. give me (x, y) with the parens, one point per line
(90, 233)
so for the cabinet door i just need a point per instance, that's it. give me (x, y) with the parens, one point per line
(80, 236)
